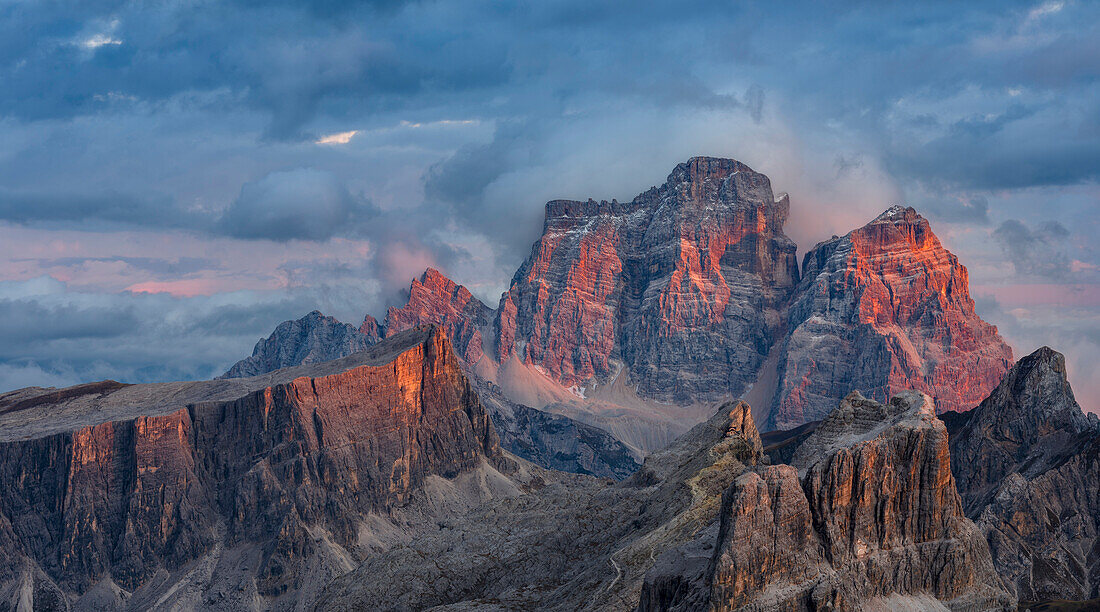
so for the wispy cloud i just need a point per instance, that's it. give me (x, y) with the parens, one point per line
(99, 40)
(340, 138)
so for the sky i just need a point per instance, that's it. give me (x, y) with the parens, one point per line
(178, 177)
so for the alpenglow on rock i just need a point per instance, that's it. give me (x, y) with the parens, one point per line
(867, 518)
(681, 286)
(228, 494)
(549, 440)
(882, 309)
(436, 299)
(1027, 461)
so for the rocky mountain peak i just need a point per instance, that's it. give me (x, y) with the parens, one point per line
(1027, 424)
(1036, 392)
(311, 339)
(677, 290)
(885, 308)
(1027, 463)
(436, 299)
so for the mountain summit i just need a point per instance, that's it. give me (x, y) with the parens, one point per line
(678, 290)
(884, 308)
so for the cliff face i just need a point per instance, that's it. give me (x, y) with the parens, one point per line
(867, 516)
(312, 339)
(436, 299)
(1027, 461)
(681, 285)
(549, 440)
(282, 469)
(882, 309)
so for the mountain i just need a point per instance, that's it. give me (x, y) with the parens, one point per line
(436, 299)
(882, 309)
(872, 519)
(549, 440)
(1027, 461)
(554, 441)
(677, 291)
(312, 339)
(235, 493)
(636, 317)
(867, 517)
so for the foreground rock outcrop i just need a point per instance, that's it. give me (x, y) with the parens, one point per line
(1027, 461)
(240, 493)
(867, 516)
(883, 309)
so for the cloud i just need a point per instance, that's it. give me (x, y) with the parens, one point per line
(961, 208)
(302, 204)
(337, 138)
(52, 335)
(1034, 252)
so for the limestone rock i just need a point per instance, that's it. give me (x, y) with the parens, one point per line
(883, 309)
(136, 483)
(868, 513)
(312, 339)
(550, 440)
(681, 286)
(1027, 461)
(436, 299)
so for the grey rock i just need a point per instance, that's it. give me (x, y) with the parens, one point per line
(312, 339)
(1027, 461)
(229, 493)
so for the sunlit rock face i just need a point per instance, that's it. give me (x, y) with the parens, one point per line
(273, 476)
(436, 299)
(867, 517)
(681, 286)
(882, 309)
(1027, 461)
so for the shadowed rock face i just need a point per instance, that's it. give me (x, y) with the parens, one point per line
(681, 285)
(312, 339)
(870, 519)
(283, 469)
(867, 515)
(1027, 461)
(882, 309)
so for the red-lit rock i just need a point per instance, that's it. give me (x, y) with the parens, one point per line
(681, 285)
(882, 309)
(130, 483)
(436, 299)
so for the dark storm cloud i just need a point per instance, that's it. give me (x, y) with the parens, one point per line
(1037, 252)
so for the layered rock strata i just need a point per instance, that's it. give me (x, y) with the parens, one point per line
(681, 286)
(156, 495)
(872, 520)
(436, 299)
(882, 309)
(867, 516)
(1027, 461)
(549, 440)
